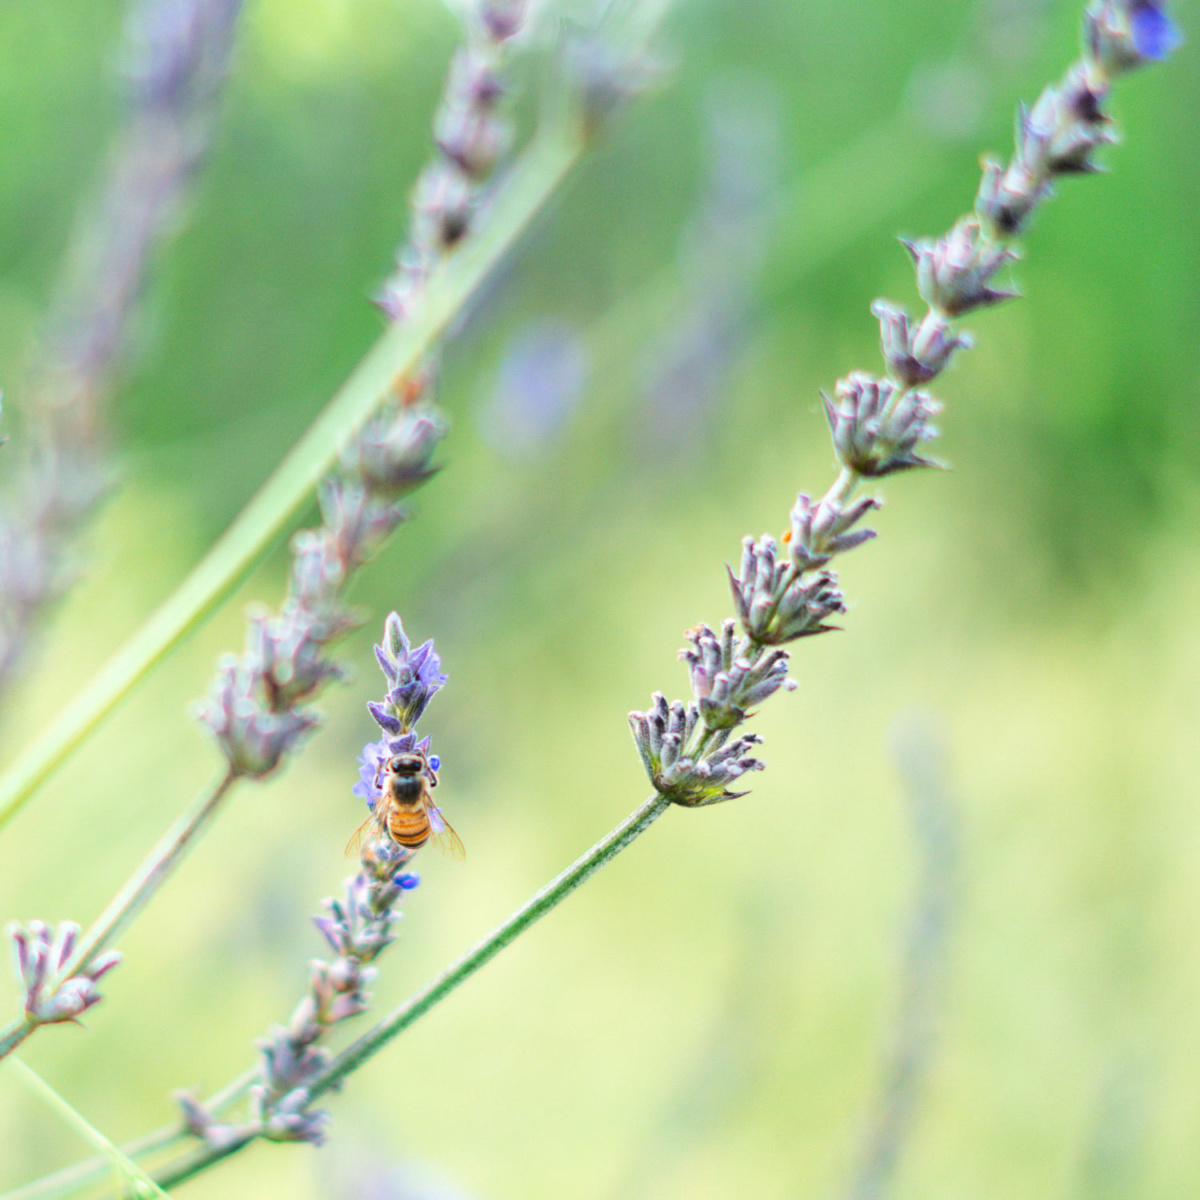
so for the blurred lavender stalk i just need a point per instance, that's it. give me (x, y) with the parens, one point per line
(175, 59)
(255, 708)
(917, 744)
(721, 252)
(536, 391)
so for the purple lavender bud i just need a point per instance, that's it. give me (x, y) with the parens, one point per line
(287, 1120)
(196, 1117)
(356, 521)
(915, 356)
(288, 649)
(877, 425)
(443, 204)
(408, 881)
(471, 138)
(38, 946)
(953, 272)
(415, 676)
(384, 719)
(663, 736)
(253, 739)
(817, 534)
(382, 857)
(752, 683)
(1008, 196)
(697, 783)
(710, 661)
(475, 79)
(317, 574)
(393, 454)
(333, 931)
(1059, 136)
(1120, 35)
(1155, 35)
(502, 18)
(401, 291)
(775, 604)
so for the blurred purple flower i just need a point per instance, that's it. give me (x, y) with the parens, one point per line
(1155, 35)
(537, 389)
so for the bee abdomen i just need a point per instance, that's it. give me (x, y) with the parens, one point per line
(409, 828)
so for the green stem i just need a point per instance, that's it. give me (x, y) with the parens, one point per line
(399, 1019)
(530, 184)
(843, 486)
(81, 1174)
(133, 1174)
(536, 907)
(133, 897)
(73, 1179)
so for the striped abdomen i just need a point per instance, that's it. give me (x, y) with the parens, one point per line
(408, 826)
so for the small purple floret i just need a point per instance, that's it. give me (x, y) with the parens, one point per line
(407, 881)
(1155, 35)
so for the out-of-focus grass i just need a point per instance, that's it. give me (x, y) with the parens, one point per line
(705, 1019)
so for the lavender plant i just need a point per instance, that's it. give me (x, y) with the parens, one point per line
(258, 709)
(782, 592)
(357, 929)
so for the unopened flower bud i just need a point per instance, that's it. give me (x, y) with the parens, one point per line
(1122, 34)
(877, 425)
(953, 272)
(915, 355)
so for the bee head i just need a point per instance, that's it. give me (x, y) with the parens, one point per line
(407, 764)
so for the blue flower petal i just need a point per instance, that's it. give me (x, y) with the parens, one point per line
(1155, 35)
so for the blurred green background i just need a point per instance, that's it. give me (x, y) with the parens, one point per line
(713, 1016)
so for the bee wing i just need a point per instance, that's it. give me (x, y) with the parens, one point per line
(373, 824)
(444, 837)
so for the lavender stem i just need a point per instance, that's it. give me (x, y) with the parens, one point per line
(400, 1018)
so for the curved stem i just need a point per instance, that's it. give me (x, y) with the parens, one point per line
(843, 486)
(400, 1018)
(531, 183)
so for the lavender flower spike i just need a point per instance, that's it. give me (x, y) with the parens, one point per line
(415, 676)
(41, 954)
(691, 776)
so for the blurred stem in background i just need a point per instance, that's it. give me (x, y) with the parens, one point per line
(175, 58)
(129, 1177)
(917, 744)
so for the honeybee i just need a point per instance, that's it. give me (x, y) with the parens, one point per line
(405, 807)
